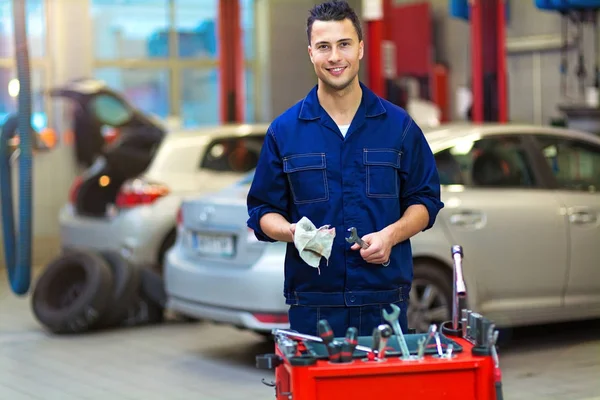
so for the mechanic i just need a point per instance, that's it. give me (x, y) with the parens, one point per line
(344, 157)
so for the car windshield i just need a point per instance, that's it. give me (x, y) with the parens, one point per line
(234, 154)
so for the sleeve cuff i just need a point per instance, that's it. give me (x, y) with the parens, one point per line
(433, 207)
(254, 222)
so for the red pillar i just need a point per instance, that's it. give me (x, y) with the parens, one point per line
(476, 61)
(501, 59)
(488, 58)
(231, 62)
(373, 15)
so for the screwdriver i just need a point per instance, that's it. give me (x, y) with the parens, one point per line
(349, 345)
(326, 334)
(325, 331)
(335, 352)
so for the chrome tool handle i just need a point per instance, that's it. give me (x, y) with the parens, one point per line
(459, 288)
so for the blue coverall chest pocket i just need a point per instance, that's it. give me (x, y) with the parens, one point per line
(307, 175)
(382, 170)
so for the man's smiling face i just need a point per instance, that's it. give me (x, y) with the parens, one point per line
(335, 52)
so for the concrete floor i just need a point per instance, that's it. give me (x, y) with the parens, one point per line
(203, 361)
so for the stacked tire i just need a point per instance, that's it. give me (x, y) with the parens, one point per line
(83, 291)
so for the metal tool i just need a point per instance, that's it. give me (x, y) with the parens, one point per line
(354, 238)
(384, 334)
(493, 339)
(376, 342)
(438, 345)
(392, 318)
(287, 346)
(464, 321)
(425, 341)
(459, 287)
(310, 338)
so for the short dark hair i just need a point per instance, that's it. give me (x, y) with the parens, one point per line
(334, 10)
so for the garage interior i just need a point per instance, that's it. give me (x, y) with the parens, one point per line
(224, 69)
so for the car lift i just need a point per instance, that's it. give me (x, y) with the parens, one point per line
(488, 52)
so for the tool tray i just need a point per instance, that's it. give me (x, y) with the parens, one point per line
(319, 351)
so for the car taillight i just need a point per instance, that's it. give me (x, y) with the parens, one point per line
(140, 192)
(179, 217)
(271, 318)
(74, 190)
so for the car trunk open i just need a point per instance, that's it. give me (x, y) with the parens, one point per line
(111, 169)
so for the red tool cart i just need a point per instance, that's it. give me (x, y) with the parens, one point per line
(456, 361)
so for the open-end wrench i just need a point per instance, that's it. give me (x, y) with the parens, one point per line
(425, 342)
(392, 318)
(354, 238)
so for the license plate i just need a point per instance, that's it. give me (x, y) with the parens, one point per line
(213, 245)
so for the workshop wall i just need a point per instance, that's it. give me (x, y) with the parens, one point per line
(290, 73)
(534, 79)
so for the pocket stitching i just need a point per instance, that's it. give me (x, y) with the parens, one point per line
(369, 164)
(323, 167)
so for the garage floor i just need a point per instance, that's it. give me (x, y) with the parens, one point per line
(204, 361)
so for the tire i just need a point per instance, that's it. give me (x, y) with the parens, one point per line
(152, 287)
(150, 300)
(434, 282)
(73, 292)
(126, 280)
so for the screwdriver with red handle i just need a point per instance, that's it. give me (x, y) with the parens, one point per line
(349, 344)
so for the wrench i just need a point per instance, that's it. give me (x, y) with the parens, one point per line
(425, 342)
(354, 238)
(392, 318)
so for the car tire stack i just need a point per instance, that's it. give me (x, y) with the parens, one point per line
(84, 291)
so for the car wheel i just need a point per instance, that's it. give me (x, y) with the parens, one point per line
(167, 243)
(430, 296)
(126, 282)
(73, 292)
(150, 301)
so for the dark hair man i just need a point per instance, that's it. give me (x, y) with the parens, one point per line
(344, 157)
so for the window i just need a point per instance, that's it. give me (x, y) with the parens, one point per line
(36, 29)
(9, 83)
(146, 88)
(165, 60)
(498, 161)
(233, 154)
(576, 165)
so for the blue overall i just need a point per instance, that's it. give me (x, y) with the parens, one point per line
(365, 180)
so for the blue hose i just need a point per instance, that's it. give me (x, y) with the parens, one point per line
(18, 258)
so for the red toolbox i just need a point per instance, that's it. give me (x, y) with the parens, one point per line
(458, 362)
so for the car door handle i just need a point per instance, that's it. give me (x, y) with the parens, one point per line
(582, 216)
(468, 218)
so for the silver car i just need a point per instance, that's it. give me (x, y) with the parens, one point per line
(523, 201)
(138, 217)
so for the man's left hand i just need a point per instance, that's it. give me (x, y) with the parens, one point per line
(380, 247)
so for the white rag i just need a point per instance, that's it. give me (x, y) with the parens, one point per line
(313, 243)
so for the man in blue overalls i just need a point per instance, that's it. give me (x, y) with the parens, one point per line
(344, 157)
